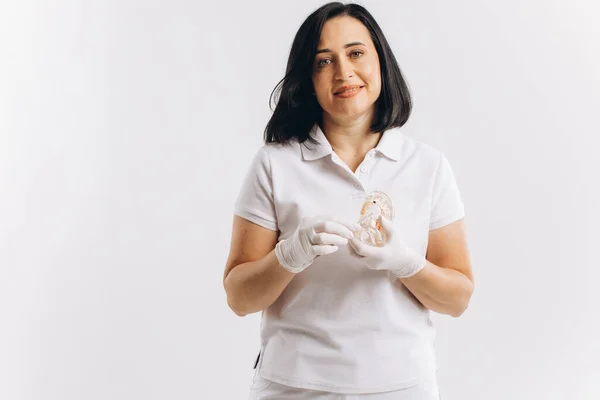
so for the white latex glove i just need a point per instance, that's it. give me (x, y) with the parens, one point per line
(395, 256)
(314, 237)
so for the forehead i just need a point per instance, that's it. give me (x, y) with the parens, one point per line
(341, 30)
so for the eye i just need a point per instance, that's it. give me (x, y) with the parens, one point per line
(323, 62)
(356, 54)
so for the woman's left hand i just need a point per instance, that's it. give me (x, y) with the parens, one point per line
(395, 256)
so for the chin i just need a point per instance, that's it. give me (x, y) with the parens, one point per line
(352, 112)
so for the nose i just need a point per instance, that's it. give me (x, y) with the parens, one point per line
(344, 70)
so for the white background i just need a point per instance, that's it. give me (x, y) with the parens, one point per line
(127, 126)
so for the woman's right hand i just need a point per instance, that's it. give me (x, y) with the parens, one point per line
(314, 237)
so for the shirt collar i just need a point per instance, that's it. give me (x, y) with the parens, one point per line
(314, 151)
(390, 145)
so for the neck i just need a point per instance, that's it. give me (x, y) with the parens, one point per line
(352, 138)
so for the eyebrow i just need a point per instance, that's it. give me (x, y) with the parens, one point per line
(346, 46)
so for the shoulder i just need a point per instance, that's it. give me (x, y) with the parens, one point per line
(431, 159)
(271, 157)
(418, 150)
(279, 152)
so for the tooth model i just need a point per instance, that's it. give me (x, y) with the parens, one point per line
(370, 232)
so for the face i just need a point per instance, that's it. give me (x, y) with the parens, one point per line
(346, 74)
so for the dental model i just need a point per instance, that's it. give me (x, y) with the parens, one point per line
(370, 232)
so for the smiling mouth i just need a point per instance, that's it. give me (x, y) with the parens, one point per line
(349, 90)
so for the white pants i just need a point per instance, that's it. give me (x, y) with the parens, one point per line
(263, 389)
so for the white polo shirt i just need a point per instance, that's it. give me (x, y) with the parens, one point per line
(339, 326)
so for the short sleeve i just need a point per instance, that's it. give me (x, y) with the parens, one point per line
(255, 200)
(447, 205)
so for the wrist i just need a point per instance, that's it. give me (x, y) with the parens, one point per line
(411, 263)
(283, 253)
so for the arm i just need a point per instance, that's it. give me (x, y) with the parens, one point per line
(259, 268)
(445, 284)
(253, 277)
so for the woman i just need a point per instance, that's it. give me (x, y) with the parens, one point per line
(343, 318)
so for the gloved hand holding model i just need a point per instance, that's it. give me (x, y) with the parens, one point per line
(395, 256)
(313, 237)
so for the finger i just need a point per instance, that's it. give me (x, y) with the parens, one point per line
(336, 228)
(360, 248)
(346, 224)
(387, 226)
(328, 239)
(352, 251)
(323, 250)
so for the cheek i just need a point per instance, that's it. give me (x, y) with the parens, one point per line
(375, 78)
(320, 84)
(372, 75)
(322, 88)
(319, 92)
(376, 87)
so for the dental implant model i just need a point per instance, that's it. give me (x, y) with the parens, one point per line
(376, 204)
